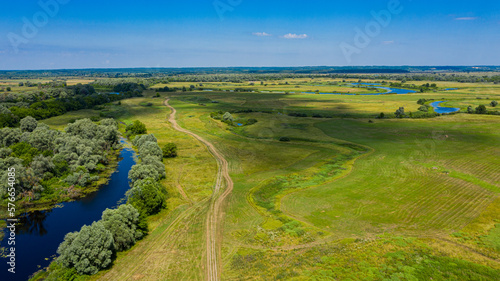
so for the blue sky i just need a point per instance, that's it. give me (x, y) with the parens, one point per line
(115, 34)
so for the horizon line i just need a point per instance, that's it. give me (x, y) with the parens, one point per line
(227, 67)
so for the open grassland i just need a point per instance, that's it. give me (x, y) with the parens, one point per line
(344, 199)
(418, 178)
(424, 177)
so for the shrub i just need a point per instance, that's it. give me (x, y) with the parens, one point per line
(156, 163)
(296, 114)
(136, 128)
(169, 150)
(227, 117)
(122, 223)
(89, 250)
(422, 101)
(217, 115)
(284, 139)
(493, 104)
(481, 109)
(28, 124)
(141, 172)
(140, 140)
(150, 148)
(400, 113)
(147, 196)
(251, 121)
(423, 108)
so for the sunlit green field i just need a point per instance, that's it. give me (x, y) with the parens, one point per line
(344, 199)
(420, 178)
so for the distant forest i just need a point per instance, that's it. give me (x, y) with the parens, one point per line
(155, 72)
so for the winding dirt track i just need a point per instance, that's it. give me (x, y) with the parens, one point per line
(214, 214)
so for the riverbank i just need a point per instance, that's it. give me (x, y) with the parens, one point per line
(39, 233)
(46, 204)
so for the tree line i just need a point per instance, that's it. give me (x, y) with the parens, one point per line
(44, 157)
(52, 103)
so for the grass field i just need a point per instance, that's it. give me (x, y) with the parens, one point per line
(343, 199)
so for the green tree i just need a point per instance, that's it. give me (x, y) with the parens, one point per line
(169, 150)
(141, 172)
(89, 250)
(470, 109)
(227, 117)
(24, 151)
(481, 109)
(146, 196)
(28, 124)
(422, 101)
(423, 108)
(150, 148)
(136, 128)
(400, 113)
(494, 103)
(43, 138)
(140, 140)
(156, 163)
(122, 223)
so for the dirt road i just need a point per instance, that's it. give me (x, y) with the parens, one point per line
(215, 215)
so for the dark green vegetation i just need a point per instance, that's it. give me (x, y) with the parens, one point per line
(169, 150)
(54, 101)
(53, 166)
(136, 128)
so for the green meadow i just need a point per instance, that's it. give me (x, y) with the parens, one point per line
(343, 195)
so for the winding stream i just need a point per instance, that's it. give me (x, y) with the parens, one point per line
(371, 85)
(39, 233)
(439, 109)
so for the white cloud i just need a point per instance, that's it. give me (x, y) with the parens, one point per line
(295, 36)
(388, 42)
(467, 18)
(261, 34)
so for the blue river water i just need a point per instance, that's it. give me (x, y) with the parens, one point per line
(439, 109)
(40, 232)
(388, 90)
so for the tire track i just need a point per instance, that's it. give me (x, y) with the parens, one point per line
(215, 214)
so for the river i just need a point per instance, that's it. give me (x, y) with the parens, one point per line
(439, 109)
(40, 232)
(388, 90)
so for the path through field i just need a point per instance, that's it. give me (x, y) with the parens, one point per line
(214, 214)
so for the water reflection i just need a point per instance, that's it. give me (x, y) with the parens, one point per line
(32, 223)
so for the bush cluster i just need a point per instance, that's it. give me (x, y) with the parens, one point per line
(94, 247)
(146, 194)
(39, 154)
